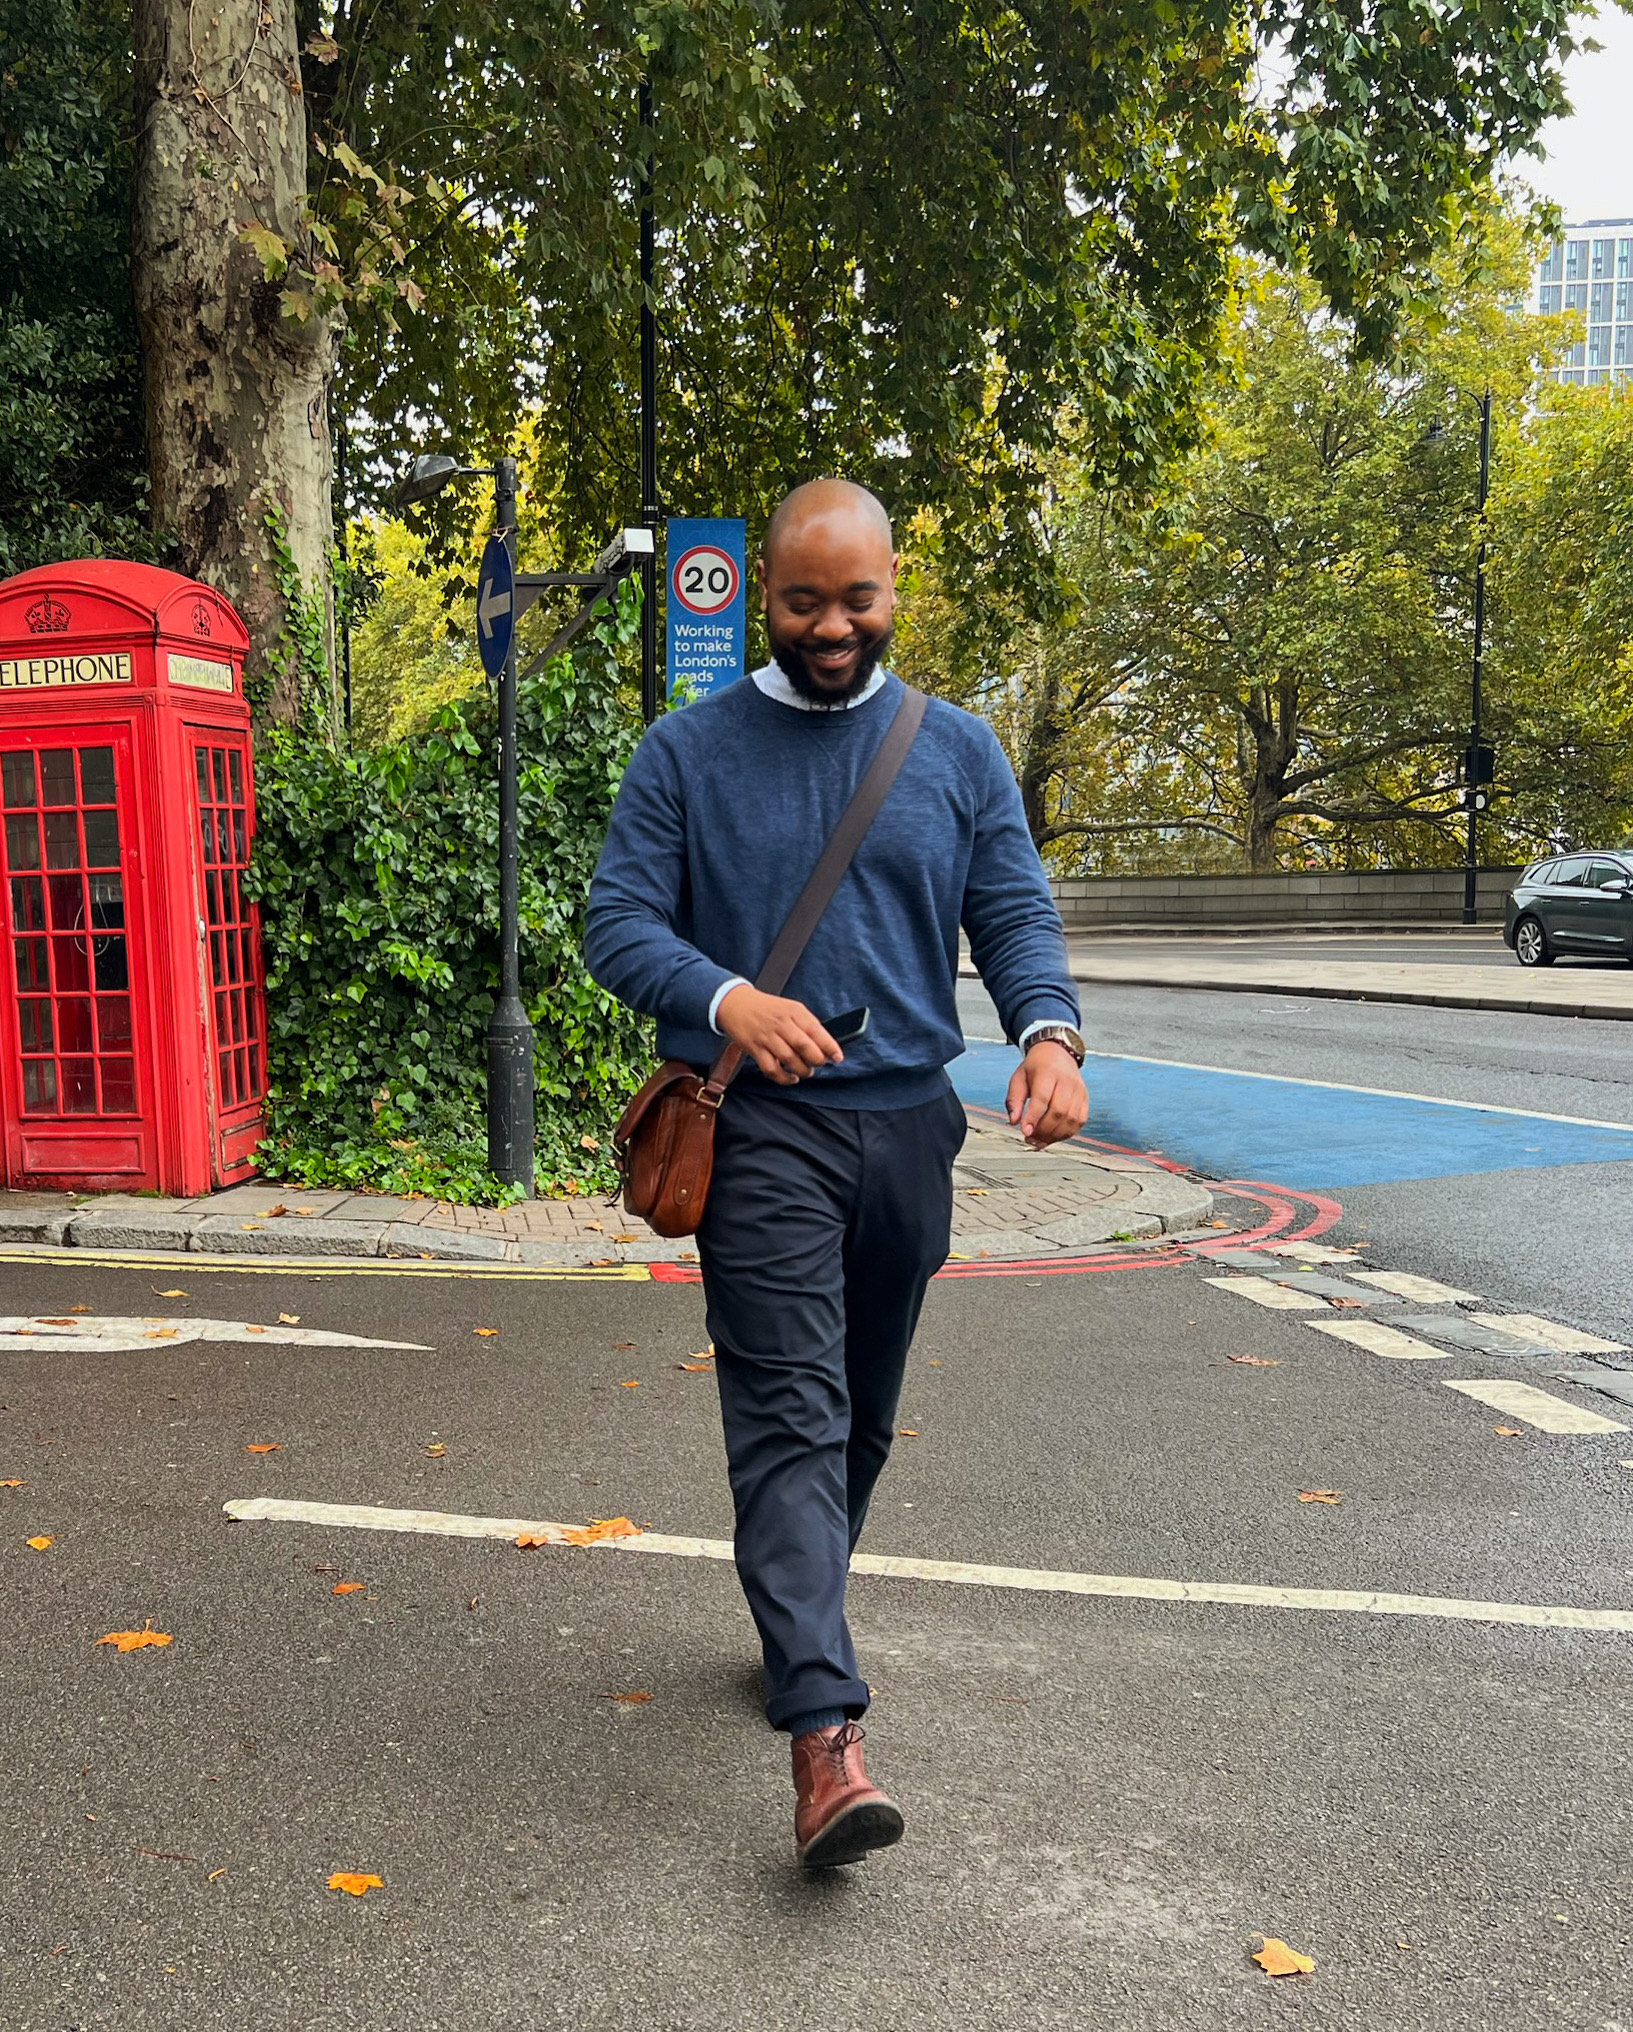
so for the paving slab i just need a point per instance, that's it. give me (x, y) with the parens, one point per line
(33, 1224)
(131, 1228)
(448, 1245)
(1084, 1231)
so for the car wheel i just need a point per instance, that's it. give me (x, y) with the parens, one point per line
(1531, 947)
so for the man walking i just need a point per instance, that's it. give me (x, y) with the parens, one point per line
(831, 1200)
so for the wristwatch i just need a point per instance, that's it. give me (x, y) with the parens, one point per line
(1059, 1033)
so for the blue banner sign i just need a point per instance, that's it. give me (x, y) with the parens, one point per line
(707, 607)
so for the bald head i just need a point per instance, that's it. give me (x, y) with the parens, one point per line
(839, 504)
(828, 587)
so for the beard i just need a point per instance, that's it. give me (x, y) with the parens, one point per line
(790, 660)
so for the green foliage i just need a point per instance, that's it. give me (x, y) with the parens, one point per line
(1274, 665)
(377, 874)
(71, 448)
(1562, 609)
(931, 243)
(411, 655)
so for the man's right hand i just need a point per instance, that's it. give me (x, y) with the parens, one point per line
(783, 1038)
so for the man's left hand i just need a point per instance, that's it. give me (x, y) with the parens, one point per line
(1047, 1099)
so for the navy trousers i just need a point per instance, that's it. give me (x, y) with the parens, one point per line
(823, 1228)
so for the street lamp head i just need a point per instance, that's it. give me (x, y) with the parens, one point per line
(1437, 433)
(428, 475)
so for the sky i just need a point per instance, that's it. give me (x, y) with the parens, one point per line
(1588, 168)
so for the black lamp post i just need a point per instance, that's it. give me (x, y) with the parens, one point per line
(510, 1033)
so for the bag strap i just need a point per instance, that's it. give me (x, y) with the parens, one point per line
(829, 871)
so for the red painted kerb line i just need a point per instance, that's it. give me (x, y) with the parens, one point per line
(1282, 1204)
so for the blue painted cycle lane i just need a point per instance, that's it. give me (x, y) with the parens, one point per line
(1304, 1135)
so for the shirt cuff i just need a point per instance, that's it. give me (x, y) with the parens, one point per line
(719, 996)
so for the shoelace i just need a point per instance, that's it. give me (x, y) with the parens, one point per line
(842, 1742)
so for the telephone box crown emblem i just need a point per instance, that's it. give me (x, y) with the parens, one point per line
(201, 618)
(47, 617)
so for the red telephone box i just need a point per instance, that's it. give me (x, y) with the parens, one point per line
(132, 1019)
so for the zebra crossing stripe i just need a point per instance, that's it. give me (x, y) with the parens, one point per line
(1540, 1408)
(1379, 1339)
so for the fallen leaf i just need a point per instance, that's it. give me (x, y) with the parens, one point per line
(255, 1329)
(70, 1322)
(975, 1191)
(13, 1485)
(600, 1529)
(79, 1308)
(249, 1227)
(1508, 1432)
(305, 1213)
(289, 1319)
(39, 1544)
(273, 1212)
(1256, 1361)
(1333, 1496)
(210, 1879)
(436, 1449)
(160, 1333)
(485, 1332)
(351, 1880)
(1341, 1304)
(530, 1541)
(1276, 1958)
(347, 1587)
(626, 1238)
(134, 1640)
(908, 1431)
(628, 1699)
(157, 1293)
(704, 1368)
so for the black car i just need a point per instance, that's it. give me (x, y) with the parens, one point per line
(1575, 903)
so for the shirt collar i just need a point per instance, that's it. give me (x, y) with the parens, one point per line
(771, 679)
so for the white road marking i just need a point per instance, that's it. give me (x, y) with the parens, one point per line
(1536, 1407)
(1379, 1339)
(51, 1334)
(1282, 1079)
(1307, 1252)
(1276, 1296)
(1425, 1289)
(1566, 1339)
(1035, 1580)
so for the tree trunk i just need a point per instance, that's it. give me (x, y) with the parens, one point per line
(236, 392)
(1040, 754)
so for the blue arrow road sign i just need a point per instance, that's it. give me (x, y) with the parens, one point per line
(495, 606)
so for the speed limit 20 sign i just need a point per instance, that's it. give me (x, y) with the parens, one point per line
(706, 630)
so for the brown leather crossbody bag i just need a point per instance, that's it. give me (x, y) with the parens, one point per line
(664, 1143)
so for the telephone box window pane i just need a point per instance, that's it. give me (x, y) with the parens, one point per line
(219, 757)
(27, 904)
(22, 843)
(62, 839)
(113, 1022)
(212, 891)
(74, 1022)
(201, 770)
(235, 776)
(31, 967)
(72, 969)
(238, 838)
(17, 777)
(39, 1086)
(111, 969)
(102, 839)
(67, 903)
(96, 776)
(229, 1080)
(79, 1086)
(57, 776)
(34, 1025)
(118, 1086)
(107, 902)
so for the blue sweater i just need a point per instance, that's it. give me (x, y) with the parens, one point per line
(721, 815)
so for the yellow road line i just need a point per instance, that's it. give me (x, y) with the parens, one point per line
(325, 1266)
(1034, 1580)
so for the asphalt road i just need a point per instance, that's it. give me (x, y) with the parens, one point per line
(1309, 1095)
(1110, 1800)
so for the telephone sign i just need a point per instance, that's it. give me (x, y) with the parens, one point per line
(706, 606)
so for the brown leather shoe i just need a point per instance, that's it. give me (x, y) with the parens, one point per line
(839, 1815)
